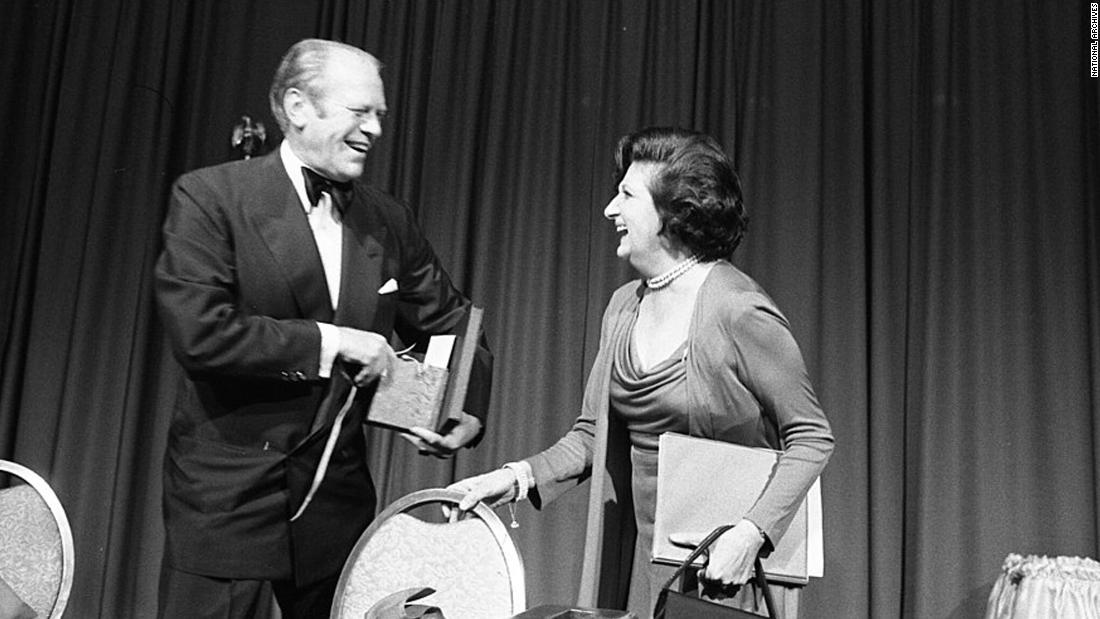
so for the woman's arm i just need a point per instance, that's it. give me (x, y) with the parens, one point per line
(567, 462)
(770, 365)
(767, 361)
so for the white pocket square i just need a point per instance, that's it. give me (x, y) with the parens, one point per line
(388, 287)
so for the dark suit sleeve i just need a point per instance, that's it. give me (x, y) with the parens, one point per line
(429, 304)
(211, 329)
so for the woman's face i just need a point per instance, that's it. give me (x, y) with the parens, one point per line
(635, 216)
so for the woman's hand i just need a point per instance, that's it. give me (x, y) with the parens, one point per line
(732, 556)
(495, 488)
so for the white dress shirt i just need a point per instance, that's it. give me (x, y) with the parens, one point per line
(324, 221)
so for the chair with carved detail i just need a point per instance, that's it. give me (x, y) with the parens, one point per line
(470, 565)
(36, 546)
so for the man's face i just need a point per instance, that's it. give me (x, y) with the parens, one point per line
(340, 124)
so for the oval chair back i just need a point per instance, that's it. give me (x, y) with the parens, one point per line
(471, 565)
(36, 544)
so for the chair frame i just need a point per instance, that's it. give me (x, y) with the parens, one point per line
(68, 551)
(512, 560)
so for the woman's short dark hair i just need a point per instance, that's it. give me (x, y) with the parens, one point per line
(695, 189)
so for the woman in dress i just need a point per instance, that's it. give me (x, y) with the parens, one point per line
(696, 347)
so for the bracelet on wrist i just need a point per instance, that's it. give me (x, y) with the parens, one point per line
(520, 486)
(522, 482)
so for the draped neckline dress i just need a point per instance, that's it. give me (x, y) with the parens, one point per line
(650, 401)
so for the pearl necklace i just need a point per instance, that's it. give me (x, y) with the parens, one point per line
(666, 278)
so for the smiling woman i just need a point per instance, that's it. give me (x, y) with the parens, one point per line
(638, 224)
(696, 347)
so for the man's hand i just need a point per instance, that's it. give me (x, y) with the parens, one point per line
(367, 349)
(444, 445)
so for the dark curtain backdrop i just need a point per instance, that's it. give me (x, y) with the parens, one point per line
(922, 180)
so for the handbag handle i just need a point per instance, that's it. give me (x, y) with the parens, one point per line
(704, 547)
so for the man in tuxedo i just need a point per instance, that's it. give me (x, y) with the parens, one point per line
(281, 282)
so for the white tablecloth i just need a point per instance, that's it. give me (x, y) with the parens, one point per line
(1037, 587)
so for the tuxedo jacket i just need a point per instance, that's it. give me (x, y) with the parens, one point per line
(240, 288)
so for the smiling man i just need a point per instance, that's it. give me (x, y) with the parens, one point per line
(281, 282)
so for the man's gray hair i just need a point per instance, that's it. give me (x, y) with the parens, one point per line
(301, 68)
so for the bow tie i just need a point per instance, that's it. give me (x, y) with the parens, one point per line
(316, 184)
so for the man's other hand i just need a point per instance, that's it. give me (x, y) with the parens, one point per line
(444, 445)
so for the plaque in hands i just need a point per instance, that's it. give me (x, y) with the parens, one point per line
(430, 392)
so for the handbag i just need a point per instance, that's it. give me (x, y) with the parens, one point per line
(678, 605)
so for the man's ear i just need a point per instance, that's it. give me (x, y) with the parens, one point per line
(298, 108)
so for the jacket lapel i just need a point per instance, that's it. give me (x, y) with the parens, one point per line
(282, 223)
(361, 274)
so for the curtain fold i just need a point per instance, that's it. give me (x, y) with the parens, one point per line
(921, 179)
